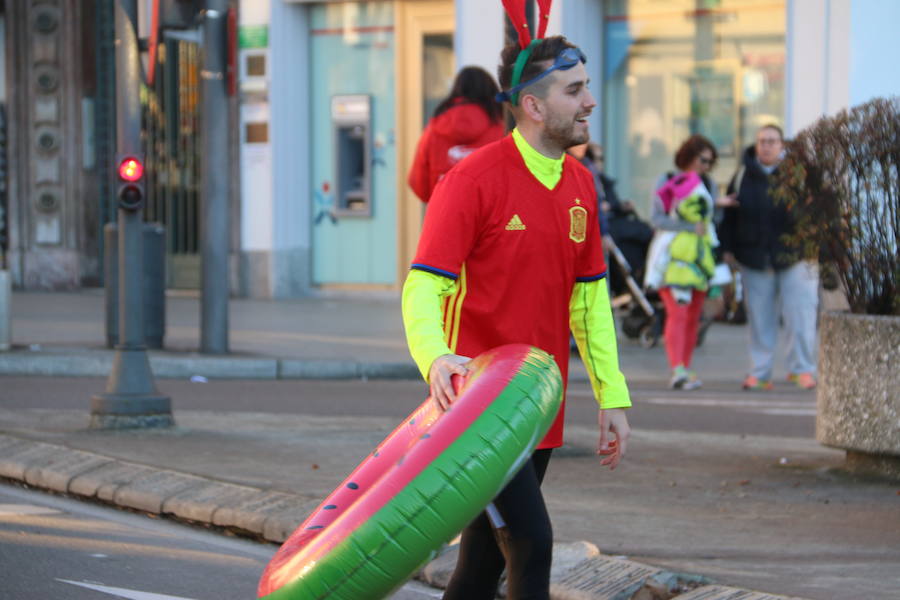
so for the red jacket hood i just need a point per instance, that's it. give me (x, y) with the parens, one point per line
(464, 123)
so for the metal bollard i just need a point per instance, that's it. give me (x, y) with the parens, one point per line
(5, 310)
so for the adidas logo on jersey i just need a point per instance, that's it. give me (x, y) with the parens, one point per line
(515, 224)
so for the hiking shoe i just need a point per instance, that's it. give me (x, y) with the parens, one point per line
(803, 380)
(753, 383)
(680, 376)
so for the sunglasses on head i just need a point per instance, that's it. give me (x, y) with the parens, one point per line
(565, 60)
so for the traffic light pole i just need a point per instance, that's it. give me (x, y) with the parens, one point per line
(131, 399)
(215, 224)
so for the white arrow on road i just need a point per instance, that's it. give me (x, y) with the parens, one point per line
(122, 592)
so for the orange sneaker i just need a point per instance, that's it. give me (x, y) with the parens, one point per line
(803, 380)
(753, 383)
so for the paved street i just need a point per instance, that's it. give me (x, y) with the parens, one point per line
(718, 408)
(720, 483)
(62, 548)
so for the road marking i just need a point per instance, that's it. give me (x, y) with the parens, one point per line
(743, 403)
(791, 412)
(25, 509)
(748, 403)
(122, 592)
(792, 408)
(412, 586)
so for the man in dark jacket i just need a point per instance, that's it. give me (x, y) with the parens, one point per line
(776, 283)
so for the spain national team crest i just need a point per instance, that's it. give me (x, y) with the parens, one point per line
(577, 223)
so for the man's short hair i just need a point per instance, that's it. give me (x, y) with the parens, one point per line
(541, 53)
(774, 128)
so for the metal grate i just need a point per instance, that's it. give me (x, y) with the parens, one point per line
(172, 143)
(105, 116)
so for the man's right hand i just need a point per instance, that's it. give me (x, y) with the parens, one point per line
(439, 376)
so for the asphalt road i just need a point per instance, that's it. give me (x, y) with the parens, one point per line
(718, 482)
(718, 408)
(55, 547)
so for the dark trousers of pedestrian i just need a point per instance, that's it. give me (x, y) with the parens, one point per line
(524, 545)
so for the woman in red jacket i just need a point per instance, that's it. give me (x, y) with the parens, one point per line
(467, 119)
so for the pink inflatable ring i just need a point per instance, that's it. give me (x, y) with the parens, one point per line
(422, 484)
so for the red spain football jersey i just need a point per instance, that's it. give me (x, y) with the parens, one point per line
(516, 249)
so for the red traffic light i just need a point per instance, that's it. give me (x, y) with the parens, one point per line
(131, 169)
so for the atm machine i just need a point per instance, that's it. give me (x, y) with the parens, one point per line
(351, 118)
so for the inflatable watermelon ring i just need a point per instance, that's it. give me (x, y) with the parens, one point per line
(423, 484)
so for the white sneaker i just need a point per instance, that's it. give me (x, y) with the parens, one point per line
(693, 382)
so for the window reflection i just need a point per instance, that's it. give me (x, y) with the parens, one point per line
(437, 71)
(677, 67)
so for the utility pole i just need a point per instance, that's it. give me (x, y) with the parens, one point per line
(215, 224)
(131, 399)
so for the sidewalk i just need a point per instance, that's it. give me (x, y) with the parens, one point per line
(339, 337)
(723, 500)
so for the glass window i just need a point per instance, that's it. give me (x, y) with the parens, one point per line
(678, 67)
(437, 71)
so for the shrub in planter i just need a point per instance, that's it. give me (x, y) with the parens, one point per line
(841, 180)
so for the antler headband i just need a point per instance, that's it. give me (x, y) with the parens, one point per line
(516, 11)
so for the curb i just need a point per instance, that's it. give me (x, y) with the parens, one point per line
(91, 362)
(98, 363)
(268, 514)
(581, 574)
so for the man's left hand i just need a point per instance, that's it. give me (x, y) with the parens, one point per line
(613, 421)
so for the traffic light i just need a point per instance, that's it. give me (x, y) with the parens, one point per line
(131, 186)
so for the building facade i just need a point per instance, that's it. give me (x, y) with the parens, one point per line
(51, 231)
(333, 95)
(660, 72)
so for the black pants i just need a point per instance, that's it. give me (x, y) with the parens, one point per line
(524, 545)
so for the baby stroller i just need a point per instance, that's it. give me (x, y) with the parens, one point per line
(641, 314)
(643, 318)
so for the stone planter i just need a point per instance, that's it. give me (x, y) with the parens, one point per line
(858, 394)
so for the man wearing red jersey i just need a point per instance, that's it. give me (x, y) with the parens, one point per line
(511, 252)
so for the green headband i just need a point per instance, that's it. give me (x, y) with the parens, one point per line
(523, 57)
